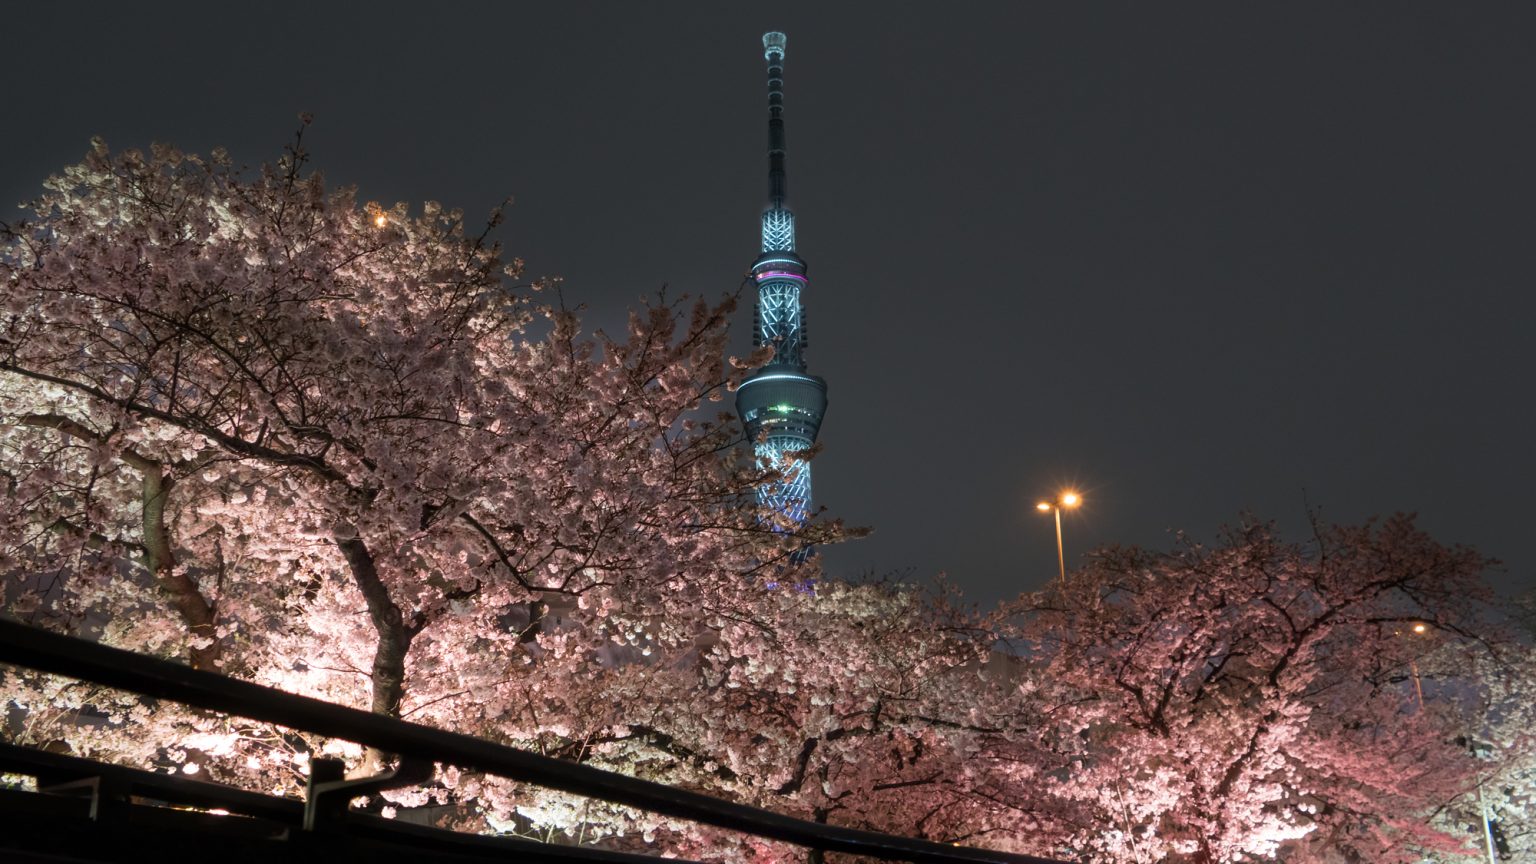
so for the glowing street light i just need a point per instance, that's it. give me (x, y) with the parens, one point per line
(1419, 628)
(381, 220)
(1067, 499)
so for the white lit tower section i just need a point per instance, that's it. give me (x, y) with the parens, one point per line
(781, 405)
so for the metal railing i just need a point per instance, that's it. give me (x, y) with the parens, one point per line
(419, 746)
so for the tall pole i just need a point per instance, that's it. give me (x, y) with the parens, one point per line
(1061, 555)
(1067, 498)
(1493, 856)
(1482, 802)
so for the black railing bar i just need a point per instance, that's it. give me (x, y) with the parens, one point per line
(367, 826)
(206, 795)
(113, 667)
(50, 767)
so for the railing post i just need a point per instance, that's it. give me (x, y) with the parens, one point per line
(321, 806)
(328, 792)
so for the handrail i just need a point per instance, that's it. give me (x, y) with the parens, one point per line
(171, 787)
(48, 768)
(43, 651)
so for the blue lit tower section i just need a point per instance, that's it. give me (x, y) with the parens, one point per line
(781, 405)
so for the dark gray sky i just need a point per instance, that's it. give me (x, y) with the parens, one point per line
(1195, 258)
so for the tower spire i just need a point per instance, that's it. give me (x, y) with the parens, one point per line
(781, 404)
(778, 221)
(773, 52)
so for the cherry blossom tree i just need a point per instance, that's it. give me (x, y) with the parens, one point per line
(326, 446)
(872, 705)
(1228, 703)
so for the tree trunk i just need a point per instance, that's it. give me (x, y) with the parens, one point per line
(394, 637)
(188, 600)
(817, 856)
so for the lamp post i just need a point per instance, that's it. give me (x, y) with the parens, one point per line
(1419, 629)
(1067, 499)
(1413, 666)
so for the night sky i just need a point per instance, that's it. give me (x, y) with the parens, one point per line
(1196, 259)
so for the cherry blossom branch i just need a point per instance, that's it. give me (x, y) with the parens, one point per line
(218, 436)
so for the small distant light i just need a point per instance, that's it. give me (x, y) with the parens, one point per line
(1070, 499)
(381, 220)
(1419, 628)
(1043, 507)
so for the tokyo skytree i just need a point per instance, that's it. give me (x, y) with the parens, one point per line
(781, 404)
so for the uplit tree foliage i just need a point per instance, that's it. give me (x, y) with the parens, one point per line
(252, 425)
(872, 706)
(1256, 698)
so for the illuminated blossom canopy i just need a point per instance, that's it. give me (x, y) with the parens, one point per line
(1257, 697)
(254, 425)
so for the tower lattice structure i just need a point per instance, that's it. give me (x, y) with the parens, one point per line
(781, 404)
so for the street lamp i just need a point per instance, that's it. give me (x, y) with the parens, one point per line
(1067, 499)
(1420, 628)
